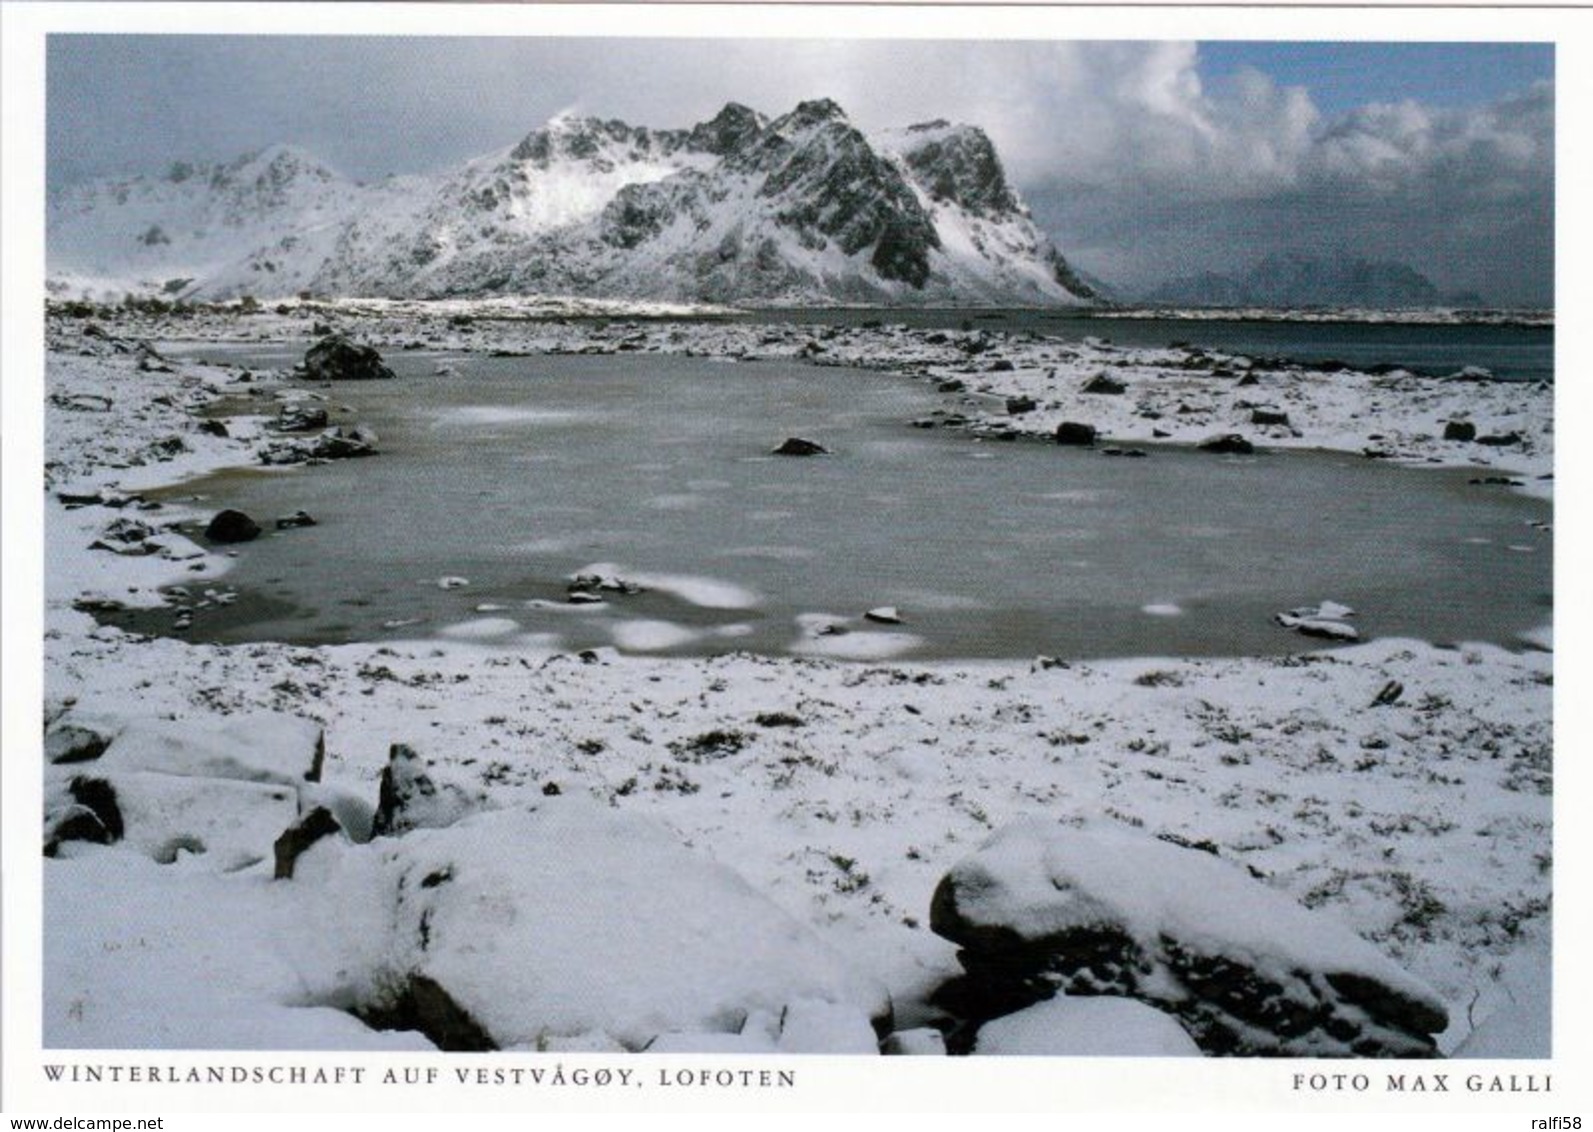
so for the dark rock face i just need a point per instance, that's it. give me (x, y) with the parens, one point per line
(1037, 913)
(797, 446)
(1463, 431)
(232, 526)
(299, 836)
(1264, 416)
(1076, 433)
(1229, 444)
(1017, 406)
(1500, 440)
(960, 166)
(827, 180)
(335, 358)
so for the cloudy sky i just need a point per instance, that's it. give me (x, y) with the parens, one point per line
(1144, 160)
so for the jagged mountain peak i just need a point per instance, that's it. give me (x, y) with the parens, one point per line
(797, 209)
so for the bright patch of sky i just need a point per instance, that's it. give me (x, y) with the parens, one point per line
(1342, 76)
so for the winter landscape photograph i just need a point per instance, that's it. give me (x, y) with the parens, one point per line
(740, 547)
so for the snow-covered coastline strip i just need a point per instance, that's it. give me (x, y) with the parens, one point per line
(842, 792)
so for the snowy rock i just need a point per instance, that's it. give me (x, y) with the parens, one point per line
(1095, 1026)
(230, 824)
(1103, 383)
(573, 918)
(1325, 621)
(127, 536)
(77, 738)
(921, 1042)
(335, 358)
(232, 526)
(303, 833)
(452, 583)
(301, 418)
(730, 1045)
(810, 1026)
(797, 446)
(1042, 909)
(884, 615)
(411, 797)
(251, 747)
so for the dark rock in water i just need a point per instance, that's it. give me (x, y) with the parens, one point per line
(341, 443)
(297, 519)
(1131, 453)
(1500, 440)
(232, 526)
(796, 446)
(346, 442)
(1229, 444)
(1499, 481)
(1075, 433)
(335, 358)
(1044, 909)
(1103, 382)
(1264, 416)
(1463, 431)
(1017, 406)
(301, 418)
(299, 836)
(127, 536)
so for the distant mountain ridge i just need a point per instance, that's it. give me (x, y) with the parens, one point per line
(802, 209)
(1294, 279)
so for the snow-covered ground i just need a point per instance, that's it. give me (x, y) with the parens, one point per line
(816, 803)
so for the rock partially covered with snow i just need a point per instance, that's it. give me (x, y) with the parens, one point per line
(249, 747)
(574, 919)
(411, 796)
(1076, 1026)
(1041, 909)
(1326, 620)
(335, 358)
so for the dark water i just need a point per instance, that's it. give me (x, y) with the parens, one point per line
(521, 472)
(1513, 353)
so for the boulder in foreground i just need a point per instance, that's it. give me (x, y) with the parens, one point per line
(1043, 909)
(573, 919)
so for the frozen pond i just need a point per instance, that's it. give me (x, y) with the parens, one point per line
(518, 473)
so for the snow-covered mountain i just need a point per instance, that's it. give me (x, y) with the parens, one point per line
(1293, 279)
(801, 209)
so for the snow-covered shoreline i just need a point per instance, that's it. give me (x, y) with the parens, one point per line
(841, 792)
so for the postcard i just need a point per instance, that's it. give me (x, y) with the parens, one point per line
(788, 558)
